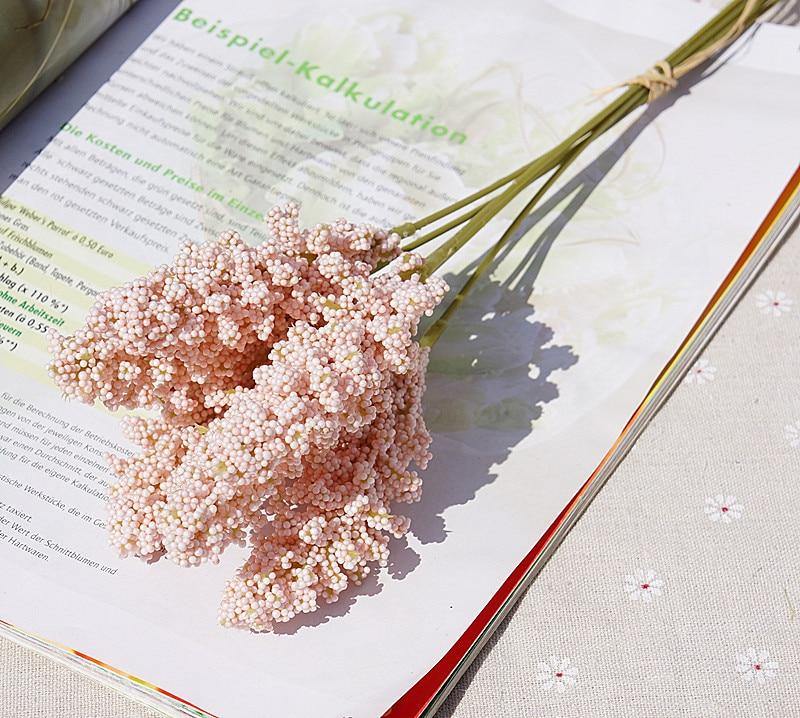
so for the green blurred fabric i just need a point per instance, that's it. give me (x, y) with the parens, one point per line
(29, 30)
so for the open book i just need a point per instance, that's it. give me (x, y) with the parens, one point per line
(542, 381)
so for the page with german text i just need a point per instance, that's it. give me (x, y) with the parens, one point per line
(379, 113)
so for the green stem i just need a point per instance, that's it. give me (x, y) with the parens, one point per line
(409, 228)
(551, 163)
(404, 230)
(433, 234)
(712, 31)
(604, 122)
(435, 330)
(556, 160)
(629, 100)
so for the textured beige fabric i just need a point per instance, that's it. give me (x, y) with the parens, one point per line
(726, 587)
(35, 687)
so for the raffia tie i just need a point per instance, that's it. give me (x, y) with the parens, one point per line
(659, 79)
(662, 77)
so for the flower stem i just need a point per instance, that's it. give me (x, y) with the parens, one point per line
(548, 160)
(435, 330)
(566, 153)
(433, 234)
(714, 30)
(720, 29)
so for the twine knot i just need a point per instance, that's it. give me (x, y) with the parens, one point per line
(663, 77)
(659, 79)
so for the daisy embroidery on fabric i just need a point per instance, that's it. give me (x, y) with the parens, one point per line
(723, 508)
(557, 674)
(756, 667)
(700, 373)
(792, 434)
(774, 303)
(643, 586)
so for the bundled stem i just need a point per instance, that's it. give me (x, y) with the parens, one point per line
(712, 38)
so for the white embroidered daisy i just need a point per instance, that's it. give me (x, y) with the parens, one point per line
(643, 586)
(700, 373)
(723, 508)
(774, 303)
(556, 674)
(756, 666)
(792, 434)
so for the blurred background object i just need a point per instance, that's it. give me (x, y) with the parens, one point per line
(39, 39)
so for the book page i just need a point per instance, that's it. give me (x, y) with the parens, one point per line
(379, 114)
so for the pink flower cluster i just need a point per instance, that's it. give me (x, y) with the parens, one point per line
(175, 338)
(289, 385)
